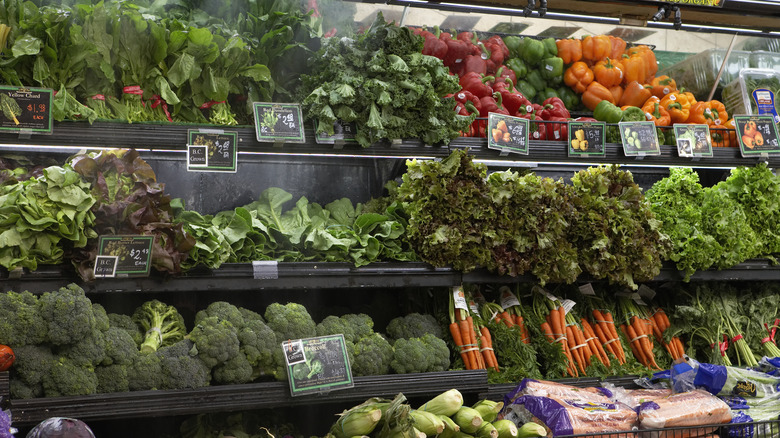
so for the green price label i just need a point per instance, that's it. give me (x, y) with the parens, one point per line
(587, 139)
(757, 135)
(639, 139)
(25, 109)
(278, 122)
(317, 365)
(133, 254)
(507, 133)
(693, 140)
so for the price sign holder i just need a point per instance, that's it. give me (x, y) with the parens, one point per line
(594, 136)
(317, 365)
(26, 110)
(639, 139)
(105, 266)
(278, 123)
(343, 132)
(212, 150)
(693, 141)
(133, 253)
(511, 134)
(757, 135)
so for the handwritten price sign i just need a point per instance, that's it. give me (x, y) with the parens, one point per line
(275, 122)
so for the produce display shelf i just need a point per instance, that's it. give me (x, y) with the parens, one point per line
(497, 391)
(140, 404)
(240, 277)
(162, 140)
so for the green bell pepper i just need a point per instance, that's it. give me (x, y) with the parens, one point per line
(550, 47)
(535, 78)
(518, 66)
(634, 114)
(533, 51)
(569, 97)
(526, 89)
(607, 111)
(546, 94)
(514, 44)
(552, 68)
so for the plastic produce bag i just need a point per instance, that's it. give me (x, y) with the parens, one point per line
(543, 388)
(633, 398)
(58, 427)
(694, 408)
(725, 381)
(6, 431)
(757, 414)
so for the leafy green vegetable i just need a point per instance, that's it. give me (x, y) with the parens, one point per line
(381, 81)
(10, 108)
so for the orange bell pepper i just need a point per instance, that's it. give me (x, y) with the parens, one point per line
(724, 136)
(711, 113)
(617, 92)
(662, 85)
(651, 64)
(634, 69)
(608, 72)
(578, 76)
(595, 94)
(656, 113)
(569, 50)
(595, 48)
(618, 47)
(678, 103)
(635, 94)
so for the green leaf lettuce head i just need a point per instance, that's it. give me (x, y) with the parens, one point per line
(381, 81)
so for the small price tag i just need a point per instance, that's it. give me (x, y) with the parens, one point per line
(265, 269)
(547, 294)
(212, 151)
(637, 299)
(587, 289)
(26, 109)
(757, 135)
(278, 122)
(639, 139)
(587, 139)
(473, 307)
(105, 266)
(693, 140)
(507, 133)
(508, 299)
(317, 365)
(459, 297)
(646, 292)
(133, 253)
(568, 305)
(343, 132)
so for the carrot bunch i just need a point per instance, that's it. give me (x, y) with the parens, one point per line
(511, 313)
(604, 328)
(579, 347)
(473, 340)
(661, 323)
(638, 329)
(554, 328)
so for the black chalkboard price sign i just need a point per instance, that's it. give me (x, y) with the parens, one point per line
(317, 365)
(212, 151)
(757, 135)
(133, 253)
(278, 122)
(586, 139)
(639, 139)
(25, 109)
(508, 133)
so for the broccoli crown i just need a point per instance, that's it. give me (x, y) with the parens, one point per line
(68, 314)
(66, 378)
(361, 323)
(413, 325)
(257, 342)
(182, 369)
(420, 355)
(222, 310)
(112, 378)
(101, 317)
(21, 390)
(21, 322)
(372, 356)
(250, 315)
(237, 370)
(290, 321)
(120, 347)
(125, 322)
(216, 340)
(144, 373)
(161, 323)
(32, 363)
(88, 351)
(333, 325)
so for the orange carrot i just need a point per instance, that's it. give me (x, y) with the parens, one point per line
(634, 343)
(470, 363)
(487, 348)
(576, 353)
(604, 341)
(595, 342)
(506, 319)
(456, 337)
(613, 329)
(473, 332)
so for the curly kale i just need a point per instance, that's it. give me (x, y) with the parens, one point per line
(371, 356)
(21, 322)
(112, 378)
(68, 315)
(413, 325)
(216, 341)
(66, 378)
(182, 369)
(420, 355)
(162, 324)
(290, 321)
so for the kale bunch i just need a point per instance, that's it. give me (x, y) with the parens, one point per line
(381, 81)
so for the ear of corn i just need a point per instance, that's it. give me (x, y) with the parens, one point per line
(357, 422)
(450, 428)
(446, 403)
(531, 430)
(506, 429)
(488, 409)
(428, 423)
(487, 430)
(468, 419)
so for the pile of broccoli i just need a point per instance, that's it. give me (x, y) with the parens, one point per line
(65, 345)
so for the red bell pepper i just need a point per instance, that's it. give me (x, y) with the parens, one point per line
(495, 49)
(500, 42)
(558, 131)
(475, 83)
(492, 104)
(538, 131)
(464, 97)
(457, 51)
(474, 63)
(554, 107)
(503, 72)
(433, 46)
(513, 100)
(466, 36)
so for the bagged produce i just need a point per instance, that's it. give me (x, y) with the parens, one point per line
(726, 381)
(543, 388)
(694, 408)
(633, 398)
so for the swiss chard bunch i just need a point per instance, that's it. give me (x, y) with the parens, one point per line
(617, 235)
(381, 81)
(130, 201)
